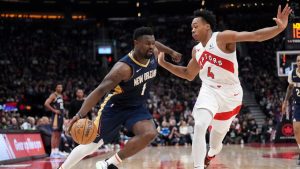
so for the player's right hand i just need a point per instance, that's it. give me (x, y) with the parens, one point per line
(284, 107)
(161, 58)
(57, 112)
(70, 124)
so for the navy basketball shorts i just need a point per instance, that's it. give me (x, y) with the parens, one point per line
(296, 115)
(57, 122)
(111, 119)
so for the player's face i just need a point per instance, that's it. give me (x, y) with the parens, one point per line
(145, 45)
(298, 61)
(199, 29)
(59, 88)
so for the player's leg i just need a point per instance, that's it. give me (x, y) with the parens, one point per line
(138, 121)
(296, 126)
(203, 113)
(108, 123)
(203, 118)
(55, 136)
(144, 132)
(79, 152)
(217, 135)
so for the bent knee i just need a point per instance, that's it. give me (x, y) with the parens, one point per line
(150, 135)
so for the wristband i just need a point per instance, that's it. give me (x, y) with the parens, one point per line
(79, 115)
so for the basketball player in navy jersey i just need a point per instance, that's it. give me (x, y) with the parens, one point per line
(55, 104)
(126, 87)
(294, 88)
(214, 60)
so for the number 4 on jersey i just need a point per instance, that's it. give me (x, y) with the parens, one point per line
(210, 74)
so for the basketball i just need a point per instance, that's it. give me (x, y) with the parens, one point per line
(83, 131)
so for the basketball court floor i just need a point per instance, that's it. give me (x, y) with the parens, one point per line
(254, 156)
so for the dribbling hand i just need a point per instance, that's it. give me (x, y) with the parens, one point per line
(70, 124)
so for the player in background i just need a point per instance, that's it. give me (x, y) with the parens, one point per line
(294, 89)
(55, 104)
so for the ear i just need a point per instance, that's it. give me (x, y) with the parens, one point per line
(135, 42)
(207, 26)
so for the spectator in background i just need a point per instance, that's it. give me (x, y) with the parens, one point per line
(13, 125)
(252, 131)
(76, 104)
(164, 133)
(43, 125)
(267, 131)
(26, 125)
(174, 136)
(185, 136)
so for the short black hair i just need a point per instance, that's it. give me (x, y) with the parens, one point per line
(208, 16)
(138, 32)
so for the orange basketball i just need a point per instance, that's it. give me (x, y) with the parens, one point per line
(83, 131)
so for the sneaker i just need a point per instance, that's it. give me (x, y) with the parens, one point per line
(57, 155)
(104, 165)
(54, 155)
(63, 153)
(207, 160)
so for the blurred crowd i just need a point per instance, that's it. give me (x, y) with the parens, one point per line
(35, 55)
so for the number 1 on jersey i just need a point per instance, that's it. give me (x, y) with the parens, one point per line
(210, 74)
(143, 90)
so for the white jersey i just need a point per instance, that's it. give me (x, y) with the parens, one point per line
(217, 67)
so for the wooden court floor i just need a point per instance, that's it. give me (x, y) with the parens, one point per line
(232, 157)
(254, 156)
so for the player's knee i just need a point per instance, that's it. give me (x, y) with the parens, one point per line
(201, 126)
(150, 135)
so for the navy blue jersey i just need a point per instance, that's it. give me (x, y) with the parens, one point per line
(135, 91)
(296, 81)
(58, 103)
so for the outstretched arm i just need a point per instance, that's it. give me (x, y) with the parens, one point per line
(261, 34)
(165, 49)
(189, 72)
(119, 72)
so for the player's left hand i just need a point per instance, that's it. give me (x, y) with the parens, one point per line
(161, 58)
(282, 16)
(176, 57)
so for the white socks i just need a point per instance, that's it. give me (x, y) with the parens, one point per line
(115, 159)
(79, 153)
(203, 118)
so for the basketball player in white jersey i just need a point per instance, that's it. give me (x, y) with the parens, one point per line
(214, 59)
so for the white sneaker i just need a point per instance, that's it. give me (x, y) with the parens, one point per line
(101, 165)
(55, 155)
(63, 153)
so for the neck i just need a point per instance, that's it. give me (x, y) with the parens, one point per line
(138, 57)
(206, 39)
